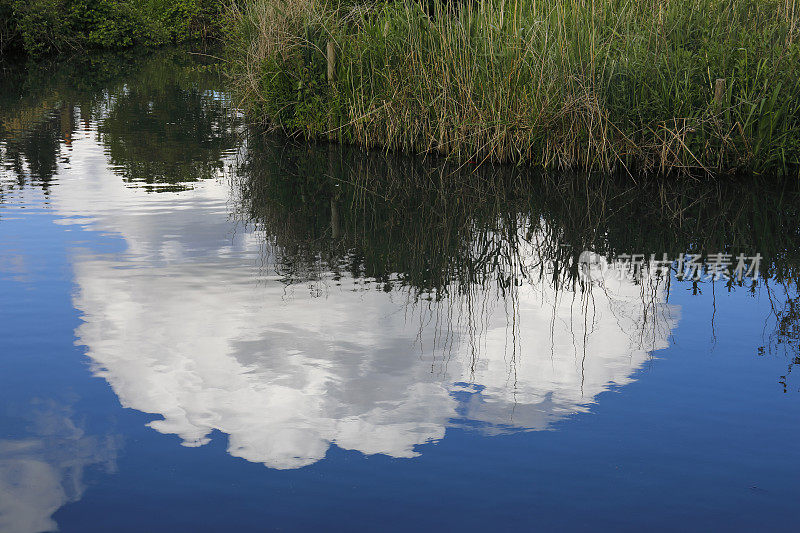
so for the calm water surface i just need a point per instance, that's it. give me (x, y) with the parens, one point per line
(205, 329)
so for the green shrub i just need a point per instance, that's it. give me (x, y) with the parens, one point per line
(43, 27)
(112, 24)
(10, 39)
(189, 19)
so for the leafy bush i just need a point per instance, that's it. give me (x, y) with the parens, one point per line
(9, 36)
(43, 27)
(189, 19)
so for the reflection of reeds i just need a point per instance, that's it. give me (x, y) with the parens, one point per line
(782, 327)
(462, 241)
(440, 228)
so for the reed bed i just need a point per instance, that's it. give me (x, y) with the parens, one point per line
(618, 86)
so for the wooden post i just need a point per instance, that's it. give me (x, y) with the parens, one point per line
(720, 88)
(331, 62)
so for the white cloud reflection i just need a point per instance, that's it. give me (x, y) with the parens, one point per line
(184, 324)
(42, 472)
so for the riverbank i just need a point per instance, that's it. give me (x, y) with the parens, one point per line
(702, 87)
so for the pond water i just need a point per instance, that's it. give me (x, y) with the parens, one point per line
(204, 328)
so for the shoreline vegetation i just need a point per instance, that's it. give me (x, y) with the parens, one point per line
(654, 87)
(38, 29)
(670, 87)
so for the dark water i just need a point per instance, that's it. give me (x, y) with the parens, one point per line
(204, 329)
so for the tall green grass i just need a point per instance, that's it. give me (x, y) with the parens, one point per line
(612, 85)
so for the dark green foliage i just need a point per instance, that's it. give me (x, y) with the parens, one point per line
(9, 35)
(189, 19)
(41, 27)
